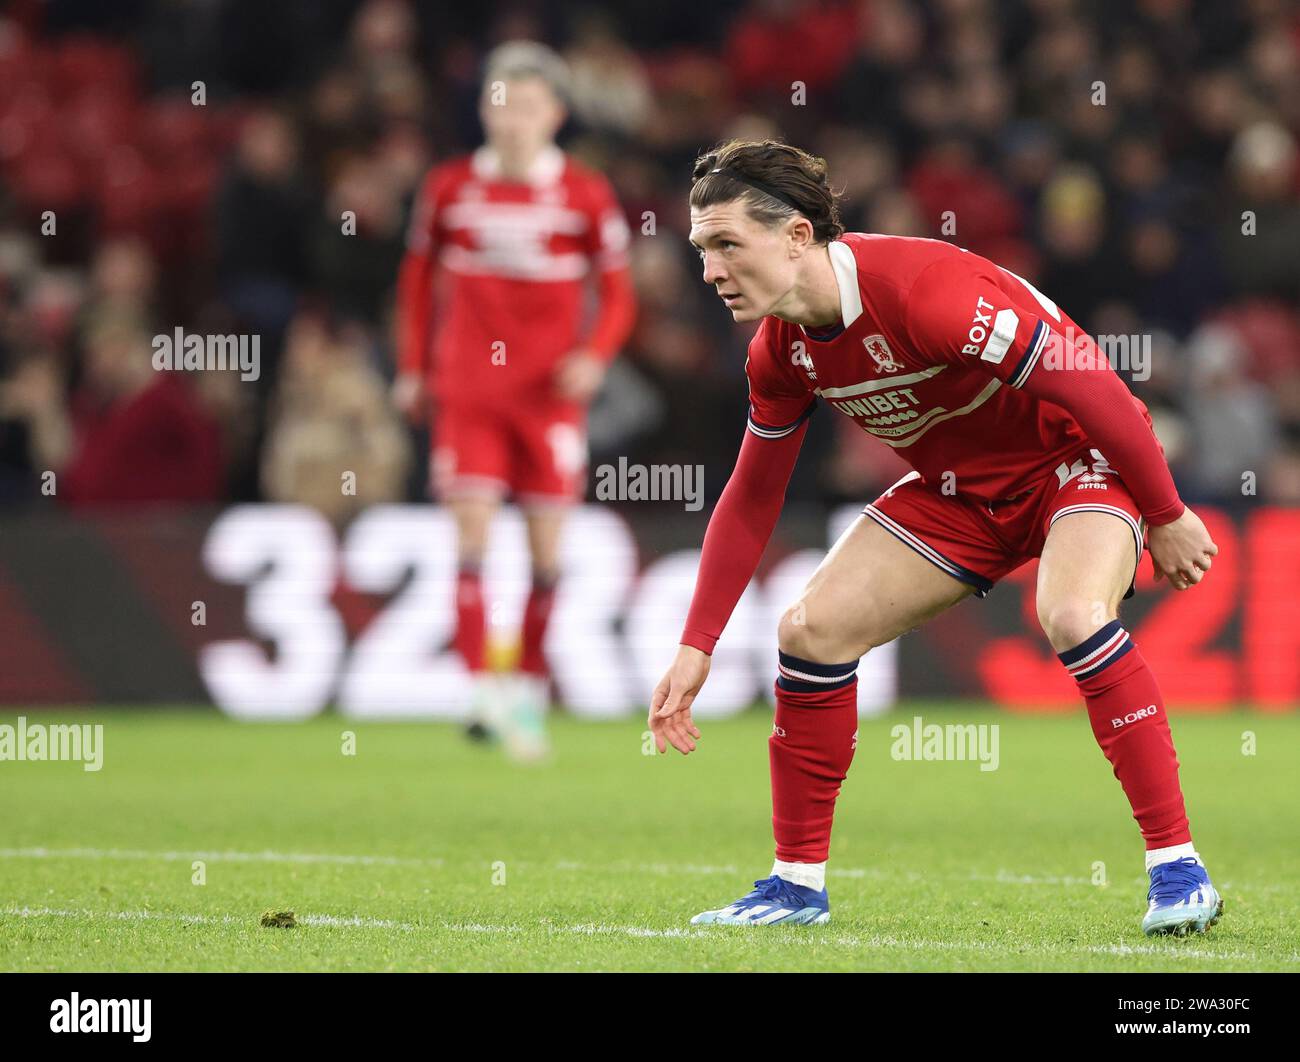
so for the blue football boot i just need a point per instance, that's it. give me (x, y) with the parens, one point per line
(1181, 899)
(774, 901)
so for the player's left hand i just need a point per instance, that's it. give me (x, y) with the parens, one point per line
(579, 376)
(670, 704)
(1182, 551)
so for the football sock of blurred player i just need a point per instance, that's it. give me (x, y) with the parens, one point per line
(537, 614)
(525, 733)
(810, 750)
(470, 642)
(470, 618)
(1128, 718)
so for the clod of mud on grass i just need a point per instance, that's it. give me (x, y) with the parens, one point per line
(278, 919)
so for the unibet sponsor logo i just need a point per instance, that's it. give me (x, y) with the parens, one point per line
(887, 402)
(1133, 717)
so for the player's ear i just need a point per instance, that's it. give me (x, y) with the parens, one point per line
(799, 231)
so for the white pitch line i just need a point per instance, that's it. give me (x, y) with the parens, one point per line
(822, 936)
(1001, 877)
(202, 919)
(215, 856)
(1176, 951)
(124, 916)
(1007, 877)
(672, 869)
(595, 929)
(355, 921)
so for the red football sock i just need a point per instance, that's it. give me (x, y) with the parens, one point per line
(810, 750)
(537, 614)
(470, 619)
(1128, 719)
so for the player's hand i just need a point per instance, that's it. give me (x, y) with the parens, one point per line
(670, 706)
(1182, 551)
(578, 376)
(409, 397)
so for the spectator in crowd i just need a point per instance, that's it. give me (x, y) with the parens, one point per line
(137, 435)
(357, 241)
(608, 88)
(337, 445)
(262, 222)
(1137, 163)
(1259, 238)
(1231, 418)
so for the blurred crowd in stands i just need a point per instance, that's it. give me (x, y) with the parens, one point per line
(187, 164)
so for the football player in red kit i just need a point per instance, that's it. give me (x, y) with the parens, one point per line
(1024, 443)
(491, 299)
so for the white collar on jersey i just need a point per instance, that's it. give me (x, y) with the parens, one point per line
(545, 169)
(846, 275)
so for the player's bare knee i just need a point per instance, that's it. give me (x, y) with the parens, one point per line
(821, 641)
(1070, 620)
(792, 634)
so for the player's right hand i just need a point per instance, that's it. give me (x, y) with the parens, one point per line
(670, 706)
(409, 397)
(1181, 551)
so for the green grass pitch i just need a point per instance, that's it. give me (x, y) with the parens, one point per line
(423, 852)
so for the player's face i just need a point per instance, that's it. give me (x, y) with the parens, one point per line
(520, 116)
(747, 262)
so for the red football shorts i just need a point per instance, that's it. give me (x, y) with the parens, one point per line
(538, 456)
(980, 543)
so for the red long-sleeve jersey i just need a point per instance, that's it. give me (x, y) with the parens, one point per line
(966, 370)
(491, 293)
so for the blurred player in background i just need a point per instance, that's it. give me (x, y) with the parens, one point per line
(1024, 443)
(491, 306)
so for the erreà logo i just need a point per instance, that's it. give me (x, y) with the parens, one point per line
(881, 354)
(801, 358)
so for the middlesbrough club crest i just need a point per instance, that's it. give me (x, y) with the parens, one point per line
(881, 354)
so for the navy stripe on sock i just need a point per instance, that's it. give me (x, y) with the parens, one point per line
(1072, 656)
(1114, 633)
(805, 676)
(820, 670)
(1103, 664)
